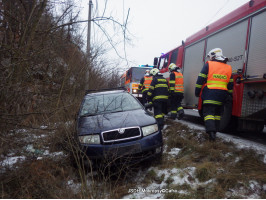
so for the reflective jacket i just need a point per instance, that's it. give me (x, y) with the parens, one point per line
(214, 93)
(176, 82)
(219, 75)
(158, 89)
(145, 83)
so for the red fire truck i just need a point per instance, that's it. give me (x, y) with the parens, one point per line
(242, 36)
(131, 79)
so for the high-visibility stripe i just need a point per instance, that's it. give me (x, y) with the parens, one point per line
(173, 111)
(230, 91)
(146, 89)
(160, 97)
(162, 80)
(171, 88)
(231, 80)
(161, 85)
(217, 117)
(209, 117)
(172, 81)
(198, 86)
(158, 116)
(180, 108)
(203, 75)
(212, 102)
(217, 82)
(149, 93)
(152, 87)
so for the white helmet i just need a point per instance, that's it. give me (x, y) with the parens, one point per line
(154, 71)
(172, 67)
(147, 72)
(216, 54)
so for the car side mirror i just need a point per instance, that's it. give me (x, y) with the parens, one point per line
(155, 61)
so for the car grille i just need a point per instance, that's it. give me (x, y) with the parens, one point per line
(121, 134)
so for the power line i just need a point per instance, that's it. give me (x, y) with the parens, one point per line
(216, 13)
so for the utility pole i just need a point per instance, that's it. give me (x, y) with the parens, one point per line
(89, 30)
(88, 44)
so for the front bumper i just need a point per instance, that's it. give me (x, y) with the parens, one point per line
(143, 147)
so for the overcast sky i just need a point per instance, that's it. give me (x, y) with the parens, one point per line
(157, 26)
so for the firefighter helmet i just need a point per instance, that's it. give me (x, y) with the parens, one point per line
(154, 71)
(147, 72)
(172, 67)
(216, 54)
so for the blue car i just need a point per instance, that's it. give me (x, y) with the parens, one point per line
(113, 124)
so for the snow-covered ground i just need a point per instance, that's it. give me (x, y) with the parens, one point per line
(240, 142)
(153, 190)
(181, 176)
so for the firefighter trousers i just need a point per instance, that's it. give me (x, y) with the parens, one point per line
(176, 107)
(144, 97)
(160, 109)
(212, 117)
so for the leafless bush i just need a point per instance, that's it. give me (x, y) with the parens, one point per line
(44, 74)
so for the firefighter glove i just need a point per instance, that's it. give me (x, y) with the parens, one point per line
(148, 105)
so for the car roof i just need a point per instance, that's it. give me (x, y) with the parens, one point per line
(105, 91)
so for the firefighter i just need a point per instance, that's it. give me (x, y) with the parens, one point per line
(215, 81)
(144, 86)
(176, 89)
(158, 96)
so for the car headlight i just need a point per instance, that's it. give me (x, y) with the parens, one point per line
(147, 130)
(134, 91)
(89, 139)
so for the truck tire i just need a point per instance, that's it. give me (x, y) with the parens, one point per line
(250, 126)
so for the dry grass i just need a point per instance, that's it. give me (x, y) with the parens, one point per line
(227, 167)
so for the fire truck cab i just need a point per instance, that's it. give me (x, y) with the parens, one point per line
(131, 79)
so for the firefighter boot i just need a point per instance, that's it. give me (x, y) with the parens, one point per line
(160, 123)
(173, 115)
(212, 136)
(180, 114)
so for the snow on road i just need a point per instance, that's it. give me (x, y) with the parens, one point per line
(240, 142)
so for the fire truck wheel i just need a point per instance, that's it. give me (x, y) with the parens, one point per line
(250, 126)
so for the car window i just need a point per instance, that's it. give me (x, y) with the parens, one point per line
(107, 103)
(138, 73)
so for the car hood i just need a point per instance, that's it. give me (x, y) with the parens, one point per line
(110, 121)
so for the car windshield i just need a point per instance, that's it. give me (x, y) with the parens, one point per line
(107, 103)
(138, 73)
